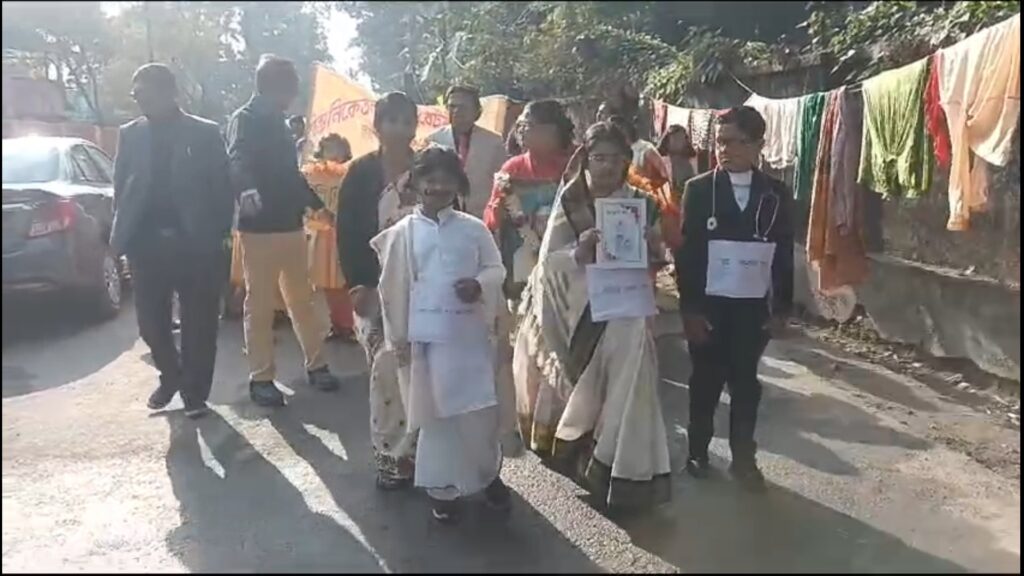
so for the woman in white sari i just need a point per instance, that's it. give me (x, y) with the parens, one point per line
(586, 391)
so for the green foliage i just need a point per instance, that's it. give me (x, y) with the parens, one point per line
(523, 49)
(76, 39)
(544, 49)
(887, 34)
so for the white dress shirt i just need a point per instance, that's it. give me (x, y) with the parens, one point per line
(741, 187)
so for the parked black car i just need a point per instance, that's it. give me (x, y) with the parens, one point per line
(57, 213)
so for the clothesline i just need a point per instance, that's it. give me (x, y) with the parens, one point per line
(855, 86)
(887, 138)
(851, 88)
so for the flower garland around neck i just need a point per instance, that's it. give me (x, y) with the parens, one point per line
(325, 168)
(657, 193)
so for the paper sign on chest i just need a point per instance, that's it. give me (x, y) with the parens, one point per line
(739, 269)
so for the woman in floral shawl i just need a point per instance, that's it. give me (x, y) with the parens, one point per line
(586, 391)
(525, 188)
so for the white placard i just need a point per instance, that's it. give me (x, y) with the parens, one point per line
(437, 315)
(739, 269)
(620, 293)
(622, 223)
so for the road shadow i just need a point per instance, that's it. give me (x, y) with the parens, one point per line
(712, 526)
(51, 343)
(830, 363)
(240, 514)
(787, 420)
(332, 435)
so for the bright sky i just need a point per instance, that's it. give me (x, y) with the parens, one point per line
(340, 29)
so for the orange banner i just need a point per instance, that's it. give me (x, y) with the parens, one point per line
(339, 105)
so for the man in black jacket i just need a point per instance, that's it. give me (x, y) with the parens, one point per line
(735, 277)
(273, 198)
(173, 207)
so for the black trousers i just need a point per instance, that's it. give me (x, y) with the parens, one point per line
(161, 267)
(730, 357)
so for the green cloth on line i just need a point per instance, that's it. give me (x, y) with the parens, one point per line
(812, 109)
(896, 157)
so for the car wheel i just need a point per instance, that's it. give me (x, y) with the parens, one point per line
(107, 296)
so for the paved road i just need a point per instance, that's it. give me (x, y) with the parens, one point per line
(92, 481)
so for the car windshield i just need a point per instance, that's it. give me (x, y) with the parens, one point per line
(30, 164)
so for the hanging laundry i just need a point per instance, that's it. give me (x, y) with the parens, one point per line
(659, 110)
(701, 132)
(782, 119)
(896, 156)
(935, 116)
(681, 116)
(979, 88)
(834, 240)
(846, 194)
(812, 107)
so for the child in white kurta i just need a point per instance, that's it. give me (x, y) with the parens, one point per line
(440, 258)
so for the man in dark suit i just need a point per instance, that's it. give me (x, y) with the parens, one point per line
(173, 207)
(735, 277)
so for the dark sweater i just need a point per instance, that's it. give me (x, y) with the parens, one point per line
(262, 152)
(692, 257)
(357, 219)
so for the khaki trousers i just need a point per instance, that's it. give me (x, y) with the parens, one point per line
(271, 262)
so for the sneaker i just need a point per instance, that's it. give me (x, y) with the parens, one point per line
(698, 467)
(265, 394)
(497, 495)
(161, 397)
(323, 380)
(446, 511)
(196, 410)
(749, 477)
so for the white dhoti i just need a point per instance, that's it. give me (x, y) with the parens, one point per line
(459, 456)
(453, 403)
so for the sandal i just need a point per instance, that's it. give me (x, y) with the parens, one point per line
(391, 483)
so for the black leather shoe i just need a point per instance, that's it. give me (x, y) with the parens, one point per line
(323, 380)
(265, 394)
(161, 397)
(195, 410)
(698, 467)
(749, 477)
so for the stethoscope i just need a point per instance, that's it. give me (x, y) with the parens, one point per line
(758, 234)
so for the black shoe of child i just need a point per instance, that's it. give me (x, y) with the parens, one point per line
(446, 511)
(498, 496)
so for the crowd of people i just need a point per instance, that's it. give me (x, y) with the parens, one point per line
(462, 269)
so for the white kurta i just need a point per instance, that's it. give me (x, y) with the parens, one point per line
(459, 451)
